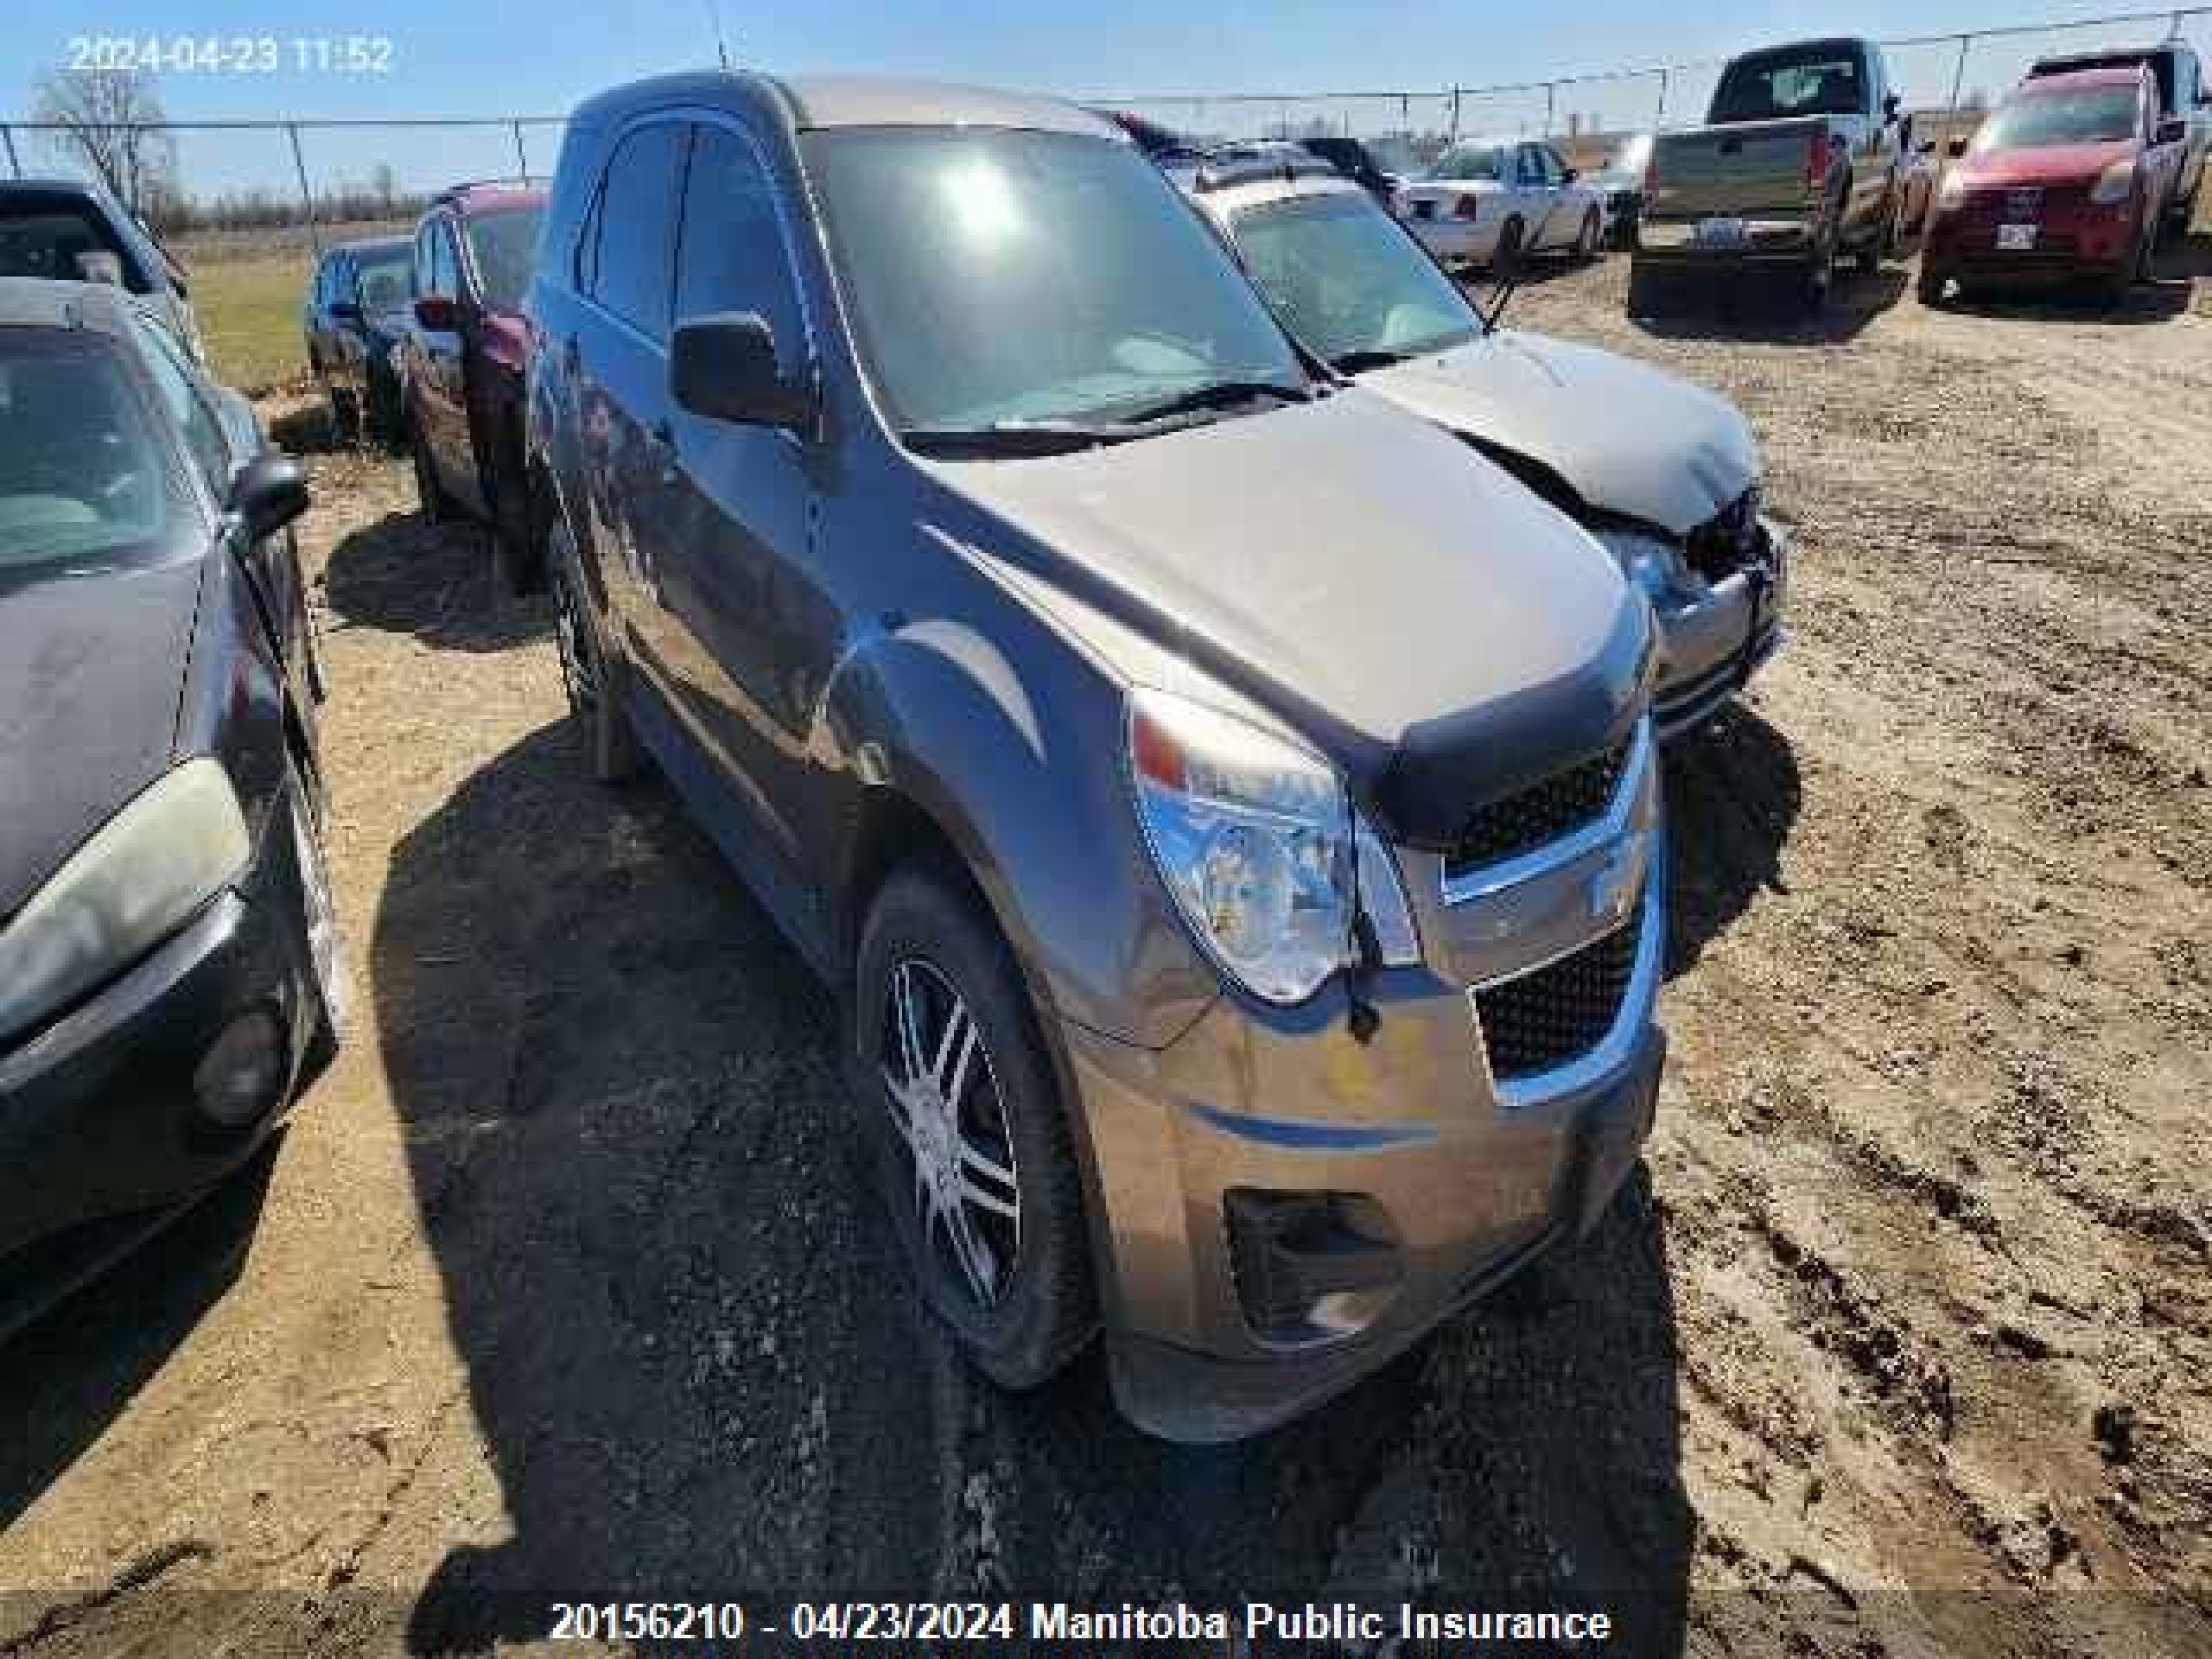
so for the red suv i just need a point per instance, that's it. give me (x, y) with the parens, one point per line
(461, 362)
(2064, 182)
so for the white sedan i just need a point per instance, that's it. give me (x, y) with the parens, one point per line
(1489, 203)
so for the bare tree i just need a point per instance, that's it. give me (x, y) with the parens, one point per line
(101, 114)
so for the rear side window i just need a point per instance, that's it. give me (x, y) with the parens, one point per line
(732, 255)
(630, 272)
(45, 237)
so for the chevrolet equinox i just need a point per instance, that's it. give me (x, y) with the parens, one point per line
(1224, 802)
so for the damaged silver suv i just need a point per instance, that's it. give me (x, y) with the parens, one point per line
(1224, 802)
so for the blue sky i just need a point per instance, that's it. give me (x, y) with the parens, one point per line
(472, 56)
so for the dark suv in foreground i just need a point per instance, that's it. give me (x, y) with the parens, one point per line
(1225, 805)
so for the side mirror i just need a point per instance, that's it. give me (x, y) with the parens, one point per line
(345, 311)
(1957, 147)
(1926, 147)
(2171, 130)
(1568, 175)
(268, 493)
(724, 367)
(1891, 105)
(99, 266)
(439, 313)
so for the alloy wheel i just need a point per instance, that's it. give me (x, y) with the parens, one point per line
(946, 1109)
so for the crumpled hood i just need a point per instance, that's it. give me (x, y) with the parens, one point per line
(91, 671)
(1408, 606)
(1627, 438)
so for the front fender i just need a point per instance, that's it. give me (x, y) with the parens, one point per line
(1010, 744)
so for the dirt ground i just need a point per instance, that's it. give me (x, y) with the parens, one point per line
(558, 1287)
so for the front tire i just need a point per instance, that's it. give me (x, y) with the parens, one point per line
(437, 506)
(1817, 282)
(1505, 259)
(967, 1139)
(1587, 239)
(591, 673)
(518, 565)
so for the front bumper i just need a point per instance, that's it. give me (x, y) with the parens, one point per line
(1714, 640)
(1458, 1178)
(102, 1133)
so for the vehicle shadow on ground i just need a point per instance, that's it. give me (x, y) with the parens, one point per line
(1750, 306)
(1733, 795)
(63, 1378)
(695, 1360)
(405, 574)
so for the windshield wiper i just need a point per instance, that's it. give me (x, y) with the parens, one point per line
(1367, 357)
(1013, 438)
(1218, 394)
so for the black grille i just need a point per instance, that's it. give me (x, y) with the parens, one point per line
(1558, 806)
(1548, 1017)
(1724, 543)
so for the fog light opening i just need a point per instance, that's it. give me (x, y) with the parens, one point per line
(241, 1077)
(1310, 1267)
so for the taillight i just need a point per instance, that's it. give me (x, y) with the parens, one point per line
(1816, 159)
(1468, 207)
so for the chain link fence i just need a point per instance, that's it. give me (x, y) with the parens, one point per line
(248, 204)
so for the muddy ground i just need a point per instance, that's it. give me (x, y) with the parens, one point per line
(558, 1287)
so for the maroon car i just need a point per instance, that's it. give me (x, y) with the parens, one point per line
(461, 363)
(2063, 184)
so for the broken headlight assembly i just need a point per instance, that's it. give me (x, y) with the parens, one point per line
(1257, 840)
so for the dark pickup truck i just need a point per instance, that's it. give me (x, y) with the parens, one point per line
(1800, 161)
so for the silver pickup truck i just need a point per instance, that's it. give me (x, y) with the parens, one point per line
(1798, 162)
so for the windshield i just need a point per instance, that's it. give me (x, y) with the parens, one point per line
(45, 239)
(2096, 115)
(385, 277)
(2162, 69)
(1349, 282)
(83, 478)
(997, 276)
(502, 245)
(1470, 162)
(1801, 80)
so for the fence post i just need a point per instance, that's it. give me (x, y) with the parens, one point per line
(1659, 116)
(1455, 114)
(1550, 104)
(522, 157)
(14, 161)
(1958, 82)
(307, 195)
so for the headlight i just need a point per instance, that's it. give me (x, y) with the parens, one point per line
(2114, 185)
(1652, 563)
(1260, 844)
(135, 882)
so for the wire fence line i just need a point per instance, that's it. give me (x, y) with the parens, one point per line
(317, 160)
